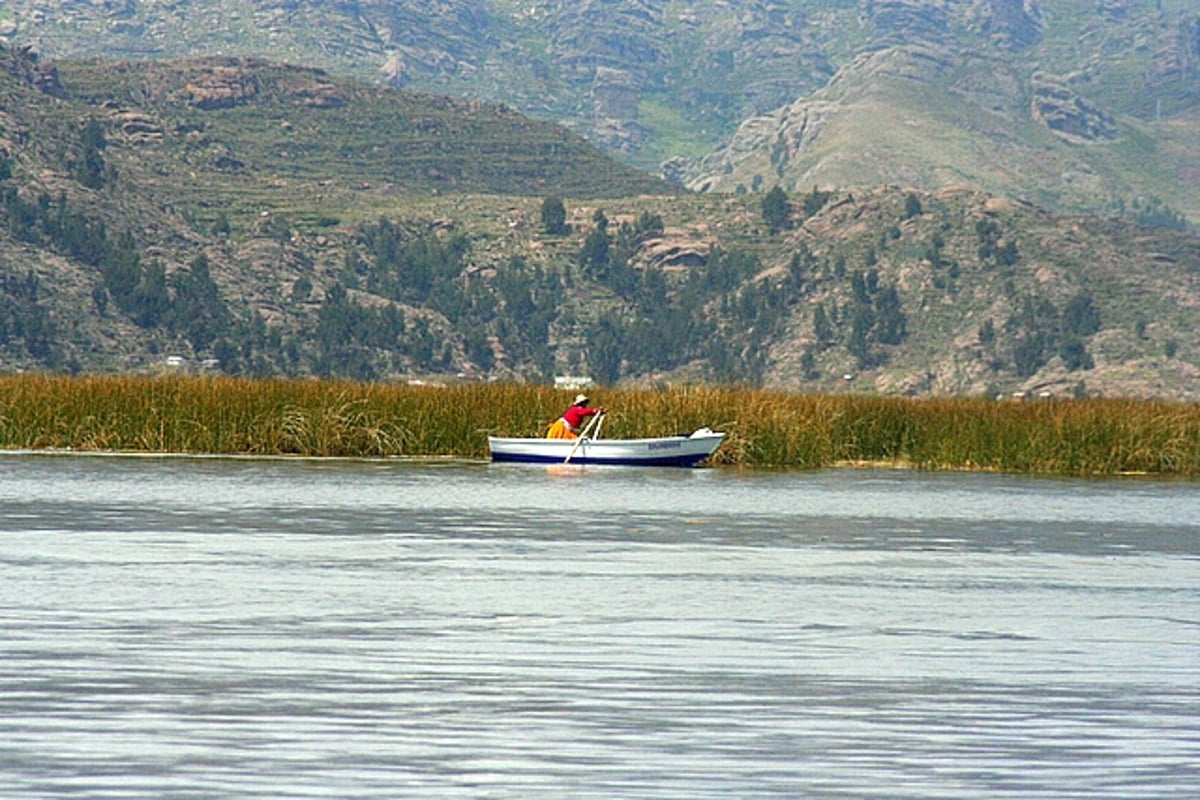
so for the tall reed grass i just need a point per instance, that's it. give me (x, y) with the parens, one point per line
(765, 428)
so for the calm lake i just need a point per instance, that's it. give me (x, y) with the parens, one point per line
(200, 628)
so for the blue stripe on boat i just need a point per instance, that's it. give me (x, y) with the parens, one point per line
(686, 460)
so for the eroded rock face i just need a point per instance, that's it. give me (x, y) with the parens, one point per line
(615, 96)
(895, 22)
(45, 78)
(316, 94)
(1014, 24)
(1063, 111)
(783, 133)
(674, 250)
(24, 64)
(592, 33)
(139, 128)
(428, 39)
(1174, 74)
(405, 65)
(222, 87)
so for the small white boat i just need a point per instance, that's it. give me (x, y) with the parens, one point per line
(664, 451)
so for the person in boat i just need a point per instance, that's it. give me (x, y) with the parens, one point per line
(571, 422)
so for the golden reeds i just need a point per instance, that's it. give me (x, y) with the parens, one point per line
(765, 428)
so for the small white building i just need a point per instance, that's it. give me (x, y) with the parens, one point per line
(572, 382)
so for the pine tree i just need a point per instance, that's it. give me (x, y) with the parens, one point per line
(554, 216)
(776, 210)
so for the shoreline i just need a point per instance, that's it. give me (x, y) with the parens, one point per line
(847, 465)
(290, 418)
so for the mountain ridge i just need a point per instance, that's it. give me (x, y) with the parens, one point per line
(1085, 157)
(655, 82)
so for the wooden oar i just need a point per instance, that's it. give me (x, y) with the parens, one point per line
(582, 435)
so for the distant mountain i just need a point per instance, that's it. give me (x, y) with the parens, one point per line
(1080, 105)
(995, 101)
(239, 216)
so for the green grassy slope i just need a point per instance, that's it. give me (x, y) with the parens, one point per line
(301, 124)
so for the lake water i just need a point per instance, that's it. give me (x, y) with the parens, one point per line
(199, 628)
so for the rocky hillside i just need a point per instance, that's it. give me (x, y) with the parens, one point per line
(929, 106)
(244, 217)
(1074, 104)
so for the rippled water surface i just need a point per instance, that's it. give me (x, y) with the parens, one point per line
(195, 628)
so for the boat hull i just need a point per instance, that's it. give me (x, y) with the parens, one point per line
(667, 451)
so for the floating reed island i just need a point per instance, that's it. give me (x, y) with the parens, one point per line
(219, 415)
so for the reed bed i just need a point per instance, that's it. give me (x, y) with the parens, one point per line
(181, 414)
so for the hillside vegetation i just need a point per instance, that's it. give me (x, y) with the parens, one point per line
(1075, 105)
(242, 217)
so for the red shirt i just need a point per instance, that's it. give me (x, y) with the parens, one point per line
(575, 415)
